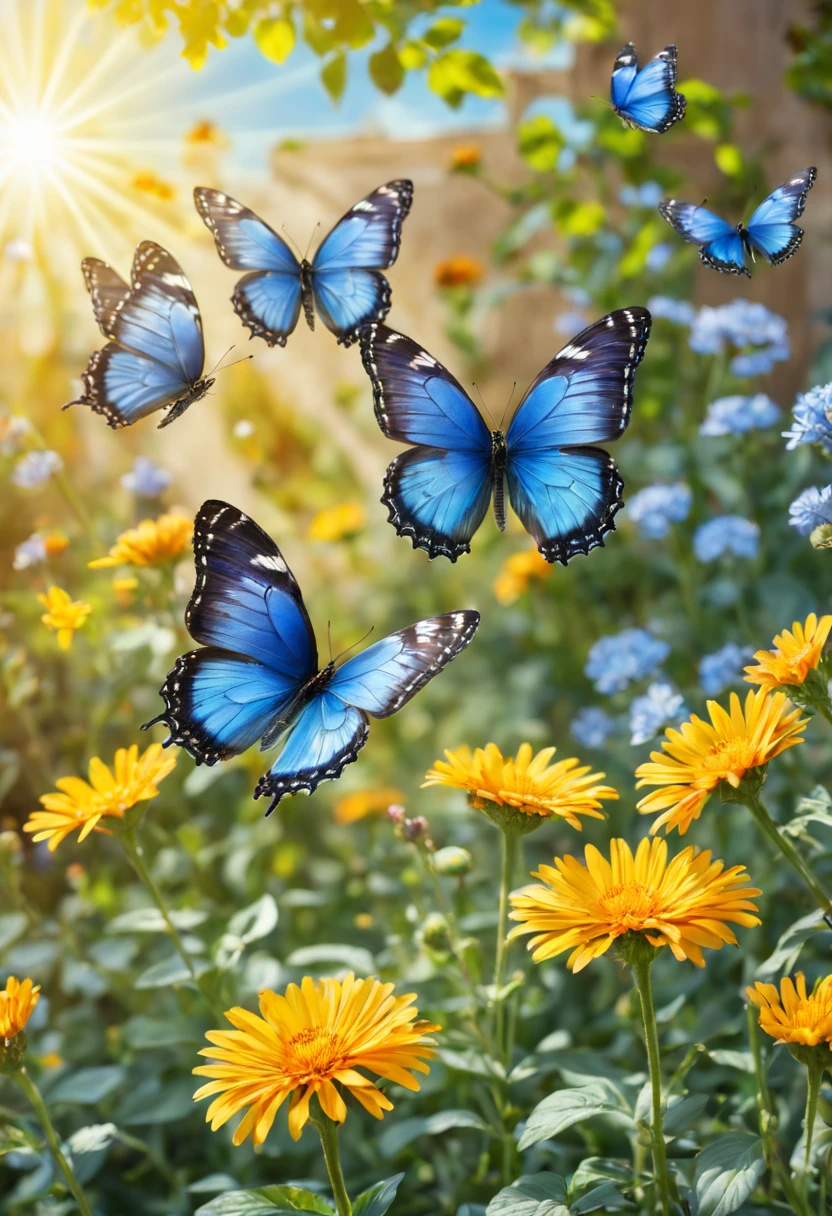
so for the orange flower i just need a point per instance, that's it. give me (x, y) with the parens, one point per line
(148, 183)
(17, 1004)
(153, 543)
(796, 653)
(517, 572)
(466, 158)
(458, 271)
(366, 802)
(791, 1015)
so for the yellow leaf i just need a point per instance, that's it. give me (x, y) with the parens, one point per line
(728, 159)
(275, 39)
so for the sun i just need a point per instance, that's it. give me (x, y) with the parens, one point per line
(30, 141)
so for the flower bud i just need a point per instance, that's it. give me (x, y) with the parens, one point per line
(453, 861)
(435, 933)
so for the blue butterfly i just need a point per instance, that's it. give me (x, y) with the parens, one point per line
(771, 231)
(646, 99)
(343, 280)
(257, 675)
(565, 493)
(155, 355)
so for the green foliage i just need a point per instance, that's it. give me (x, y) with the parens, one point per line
(810, 70)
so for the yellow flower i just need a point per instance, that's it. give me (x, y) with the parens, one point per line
(334, 523)
(517, 572)
(366, 802)
(791, 1015)
(466, 157)
(363, 920)
(206, 132)
(124, 589)
(458, 271)
(796, 652)
(309, 1042)
(149, 183)
(17, 1003)
(82, 804)
(63, 614)
(685, 905)
(528, 784)
(702, 754)
(51, 1060)
(153, 543)
(55, 543)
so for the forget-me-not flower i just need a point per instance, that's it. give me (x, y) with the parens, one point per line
(35, 468)
(737, 414)
(722, 668)
(812, 422)
(146, 479)
(811, 509)
(569, 322)
(30, 552)
(592, 726)
(615, 661)
(658, 707)
(658, 257)
(679, 312)
(648, 194)
(727, 534)
(655, 508)
(741, 324)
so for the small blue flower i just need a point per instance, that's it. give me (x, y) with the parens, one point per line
(736, 415)
(656, 507)
(591, 727)
(679, 312)
(35, 468)
(649, 194)
(811, 509)
(659, 706)
(570, 322)
(727, 534)
(658, 257)
(30, 553)
(812, 422)
(615, 661)
(759, 362)
(741, 324)
(146, 479)
(722, 668)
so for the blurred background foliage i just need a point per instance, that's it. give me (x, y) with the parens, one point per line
(570, 196)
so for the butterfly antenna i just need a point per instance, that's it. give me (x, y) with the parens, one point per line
(291, 239)
(216, 366)
(311, 239)
(603, 101)
(475, 386)
(358, 643)
(508, 405)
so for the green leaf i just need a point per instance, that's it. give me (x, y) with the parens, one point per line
(87, 1149)
(153, 1102)
(474, 1062)
(170, 971)
(143, 1033)
(356, 958)
(256, 921)
(743, 1061)
(275, 38)
(531, 1195)
(12, 925)
(377, 1199)
(443, 32)
(386, 71)
(87, 1086)
(790, 944)
(456, 73)
(682, 1112)
(412, 56)
(729, 160)
(265, 1201)
(334, 76)
(398, 1135)
(540, 143)
(150, 920)
(567, 1106)
(727, 1172)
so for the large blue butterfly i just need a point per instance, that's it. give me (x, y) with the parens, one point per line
(343, 280)
(257, 675)
(646, 99)
(565, 493)
(771, 231)
(155, 355)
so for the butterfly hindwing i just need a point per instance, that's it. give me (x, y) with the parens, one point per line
(326, 736)
(720, 245)
(346, 300)
(647, 99)
(771, 229)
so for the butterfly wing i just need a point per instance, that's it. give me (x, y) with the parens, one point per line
(438, 493)
(647, 99)
(566, 493)
(268, 299)
(771, 229)
(124, 387)
(720, 246)
(107, 290)
(349, 291)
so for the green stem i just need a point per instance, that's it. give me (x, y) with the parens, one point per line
(33, 1094)
(509, 856)
(825, 709)
(328, 1132)
(813, 1093)
(770, 829)
(768, 1116)
(644, 987)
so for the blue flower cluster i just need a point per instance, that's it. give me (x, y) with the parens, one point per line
(741, 324)
(30, 552)
(811, 509)
(569, 322)
(727, 534)
(722, 668)
(678, 312)
(656, 507)
(658, 257)
(648, 194)
(737, 414)
(657, 708)
(146, 479)
(618, 659)
(35, 468)
(591, 727)
(812, 419)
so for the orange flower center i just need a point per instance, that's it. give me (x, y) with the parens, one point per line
(628, 906)
(315, 1051)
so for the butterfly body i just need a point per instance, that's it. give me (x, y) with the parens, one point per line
(565, 490)
(771, 231)
(343, 282)
(155, 354)
(646, 99)
(256, 676)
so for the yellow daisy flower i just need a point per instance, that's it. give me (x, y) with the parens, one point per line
(466, 158)
(17, 1003)
(516, 574)
(792, 1015)
(153, 543)
(335, 523)
(82, 804)
(686, 904)
(364, 803)
(528, 784)
(63, 615)
(797, 652)
(458, 271)
(702, 754)
(309, 1042)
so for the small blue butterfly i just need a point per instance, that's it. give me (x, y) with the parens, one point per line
(155, 355)
(565, 493)
(342, 282)
(646, 99)
(256, 676)
(771, 231)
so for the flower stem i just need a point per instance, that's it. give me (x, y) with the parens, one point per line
(644, 987)
(813, 1093)
(767, 1115)
(509, 856)
(328, 1132)
(824, 708)
(770, 829)
(33, 1094)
